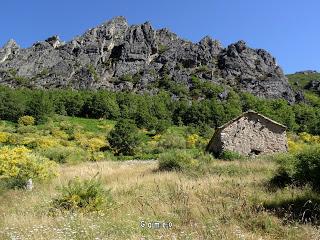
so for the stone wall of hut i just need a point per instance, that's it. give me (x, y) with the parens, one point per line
(252, 135)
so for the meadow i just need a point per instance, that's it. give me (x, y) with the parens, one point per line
(202, 197)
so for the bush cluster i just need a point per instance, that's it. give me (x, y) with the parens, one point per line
(26, 121)
(176, 160)
(18, 164)
(300, 168)
(86, 195)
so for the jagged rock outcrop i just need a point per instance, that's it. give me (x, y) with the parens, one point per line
(313, 85)
(10, 49)
(119, 57)
(306, 72)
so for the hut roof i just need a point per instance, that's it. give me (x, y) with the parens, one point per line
(251, 112)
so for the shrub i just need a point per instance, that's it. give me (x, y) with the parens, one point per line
(163, 48)
(176, 160)
(26, 121)
(171, 141)
(230, 155)
(65, 154)
(18, 164)
(26, 129)
(160, 126)
(97, 156)
(59, 134)
(46, 142)
(87, 195)
(4, 137)
(124, 138)
(308, 167)
(286, 170)
(300, 168)
(95, 144)
(192, 140)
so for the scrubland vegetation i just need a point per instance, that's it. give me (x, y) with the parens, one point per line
(75, 147)
(84, 190)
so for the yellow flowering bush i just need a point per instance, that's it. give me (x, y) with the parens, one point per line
(192, 140)
(295, 146)
(4, 137)
(298, 143)
(97, 156)
(95, 144)
(46, 142)
(154, 140)
(92, 144)
(14, 139)
(156, 137)
(78, 136)
(29, 141)
(19, 164)
(59, 134)
(308, 138)
(26, 121)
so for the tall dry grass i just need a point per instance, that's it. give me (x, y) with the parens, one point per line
(224, 204)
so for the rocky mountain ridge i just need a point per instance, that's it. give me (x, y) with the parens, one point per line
(117, 56)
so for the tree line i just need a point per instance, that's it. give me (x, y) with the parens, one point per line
(154, 112)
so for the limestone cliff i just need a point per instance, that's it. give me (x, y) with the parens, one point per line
(117, 56)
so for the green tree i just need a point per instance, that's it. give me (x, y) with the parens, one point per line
(40, 106)
(11, 106)
(124, 138)
(102, 105)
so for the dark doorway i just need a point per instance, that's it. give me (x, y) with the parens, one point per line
(255, 152)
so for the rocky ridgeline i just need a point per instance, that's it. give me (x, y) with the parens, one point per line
(119, 57)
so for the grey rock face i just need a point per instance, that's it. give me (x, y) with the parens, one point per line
(254, 71)
(306, 72)
(118, 57)
(313, 85)
(10, 49)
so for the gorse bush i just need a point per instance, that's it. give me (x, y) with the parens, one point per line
(26, 121)
(18, 164)
(86, 195)
(192, 140)
(4, 137)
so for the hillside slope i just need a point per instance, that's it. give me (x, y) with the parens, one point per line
(117, 56)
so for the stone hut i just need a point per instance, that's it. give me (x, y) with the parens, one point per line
(249, 134)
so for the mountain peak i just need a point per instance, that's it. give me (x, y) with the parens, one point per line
(109, 55)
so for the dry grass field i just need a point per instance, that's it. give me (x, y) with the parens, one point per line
(226, 203)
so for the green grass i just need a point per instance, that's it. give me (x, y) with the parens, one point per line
(302, 79)
(90, 125)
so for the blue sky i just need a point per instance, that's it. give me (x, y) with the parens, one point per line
(289, 29)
